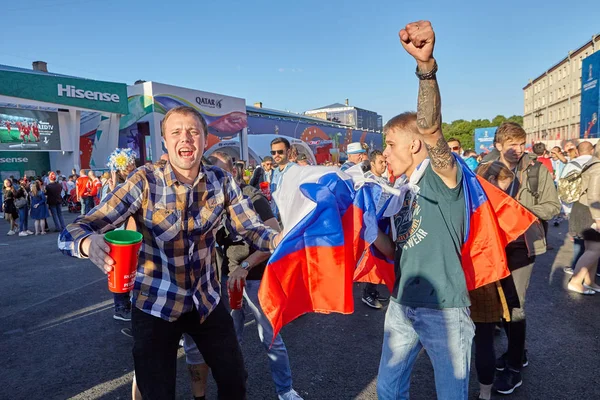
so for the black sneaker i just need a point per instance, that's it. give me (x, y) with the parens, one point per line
(501, 362)
(122, 314)
(371, 301)
(508, 381)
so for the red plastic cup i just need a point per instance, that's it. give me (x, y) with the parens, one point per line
(124, 249)
(266, 190)
(236, 296)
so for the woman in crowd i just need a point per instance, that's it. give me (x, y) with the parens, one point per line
(22, 204)
(39, 208)
(488, 303)
(10, 210)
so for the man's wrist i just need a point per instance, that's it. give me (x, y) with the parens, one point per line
(425, 66)
(85, 242)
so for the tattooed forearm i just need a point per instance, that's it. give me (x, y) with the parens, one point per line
(440, 155)
(429, 107)
(195, 372)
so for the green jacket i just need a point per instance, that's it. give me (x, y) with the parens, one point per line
(545, 207)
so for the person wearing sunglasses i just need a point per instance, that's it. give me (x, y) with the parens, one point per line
(280, 150)
(455, 146)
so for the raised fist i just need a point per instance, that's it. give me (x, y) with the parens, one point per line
(418, 40)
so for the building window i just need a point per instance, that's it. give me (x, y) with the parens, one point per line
(543, 101)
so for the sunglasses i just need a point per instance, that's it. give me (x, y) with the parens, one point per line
(455, 148)
(280, 152)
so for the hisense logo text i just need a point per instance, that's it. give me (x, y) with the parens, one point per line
(72, 91)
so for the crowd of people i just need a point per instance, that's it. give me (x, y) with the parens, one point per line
(35, 199)
(210, 225)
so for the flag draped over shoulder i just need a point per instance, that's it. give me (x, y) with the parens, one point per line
(494, 219)
(331, 220)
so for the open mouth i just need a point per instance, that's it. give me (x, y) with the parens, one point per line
(186, 153)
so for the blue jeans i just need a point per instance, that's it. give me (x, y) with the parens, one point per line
(278, 357)
(23, 218)
(89, 203)
(446, 334)
(56, 211)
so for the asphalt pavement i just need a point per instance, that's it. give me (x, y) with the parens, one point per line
(58, 339)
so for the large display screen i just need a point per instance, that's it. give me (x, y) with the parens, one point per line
(32, 130)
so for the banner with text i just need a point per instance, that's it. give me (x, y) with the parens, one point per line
(590, 97)
(484, 139)
(82, 93)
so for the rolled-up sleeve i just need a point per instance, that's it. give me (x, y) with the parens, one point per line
(244, 219)
(124, 201)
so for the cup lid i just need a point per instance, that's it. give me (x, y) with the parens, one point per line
(123, 237)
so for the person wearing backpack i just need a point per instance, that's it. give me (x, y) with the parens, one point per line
(578, 186)
(585, 223)
(534, 188)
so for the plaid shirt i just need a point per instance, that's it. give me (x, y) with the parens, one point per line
(176, 269)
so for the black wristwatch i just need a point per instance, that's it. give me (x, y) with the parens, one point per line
(427, 75)
(245, 265)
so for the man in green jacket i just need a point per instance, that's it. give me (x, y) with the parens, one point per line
(534, 188)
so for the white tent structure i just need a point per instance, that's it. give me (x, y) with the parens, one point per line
(259, 146)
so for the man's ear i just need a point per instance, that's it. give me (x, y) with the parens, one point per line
(415, 146)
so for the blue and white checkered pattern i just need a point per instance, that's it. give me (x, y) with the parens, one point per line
(176, 268)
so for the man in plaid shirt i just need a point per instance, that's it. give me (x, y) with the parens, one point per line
(178, 207)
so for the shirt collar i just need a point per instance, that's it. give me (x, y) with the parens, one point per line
(171, 178)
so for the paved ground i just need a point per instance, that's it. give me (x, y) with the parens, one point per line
(58, 339)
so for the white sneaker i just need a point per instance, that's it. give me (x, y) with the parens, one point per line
(28, 232)
(23, 234)
(291, 395)
(11, 232)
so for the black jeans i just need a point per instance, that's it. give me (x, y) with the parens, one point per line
(369, 288)
(155, 343)
(485, 354)
(521, 266)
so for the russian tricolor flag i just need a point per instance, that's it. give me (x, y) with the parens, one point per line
(329, 228)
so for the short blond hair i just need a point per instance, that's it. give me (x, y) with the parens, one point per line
(184, 110)
(406, 121)
(509, 131)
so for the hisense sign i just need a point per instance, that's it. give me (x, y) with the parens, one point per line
(81, 93)
(73, 91)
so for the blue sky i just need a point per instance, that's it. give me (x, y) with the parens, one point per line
(298, 55)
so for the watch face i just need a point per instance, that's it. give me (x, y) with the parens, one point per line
(245, 265)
